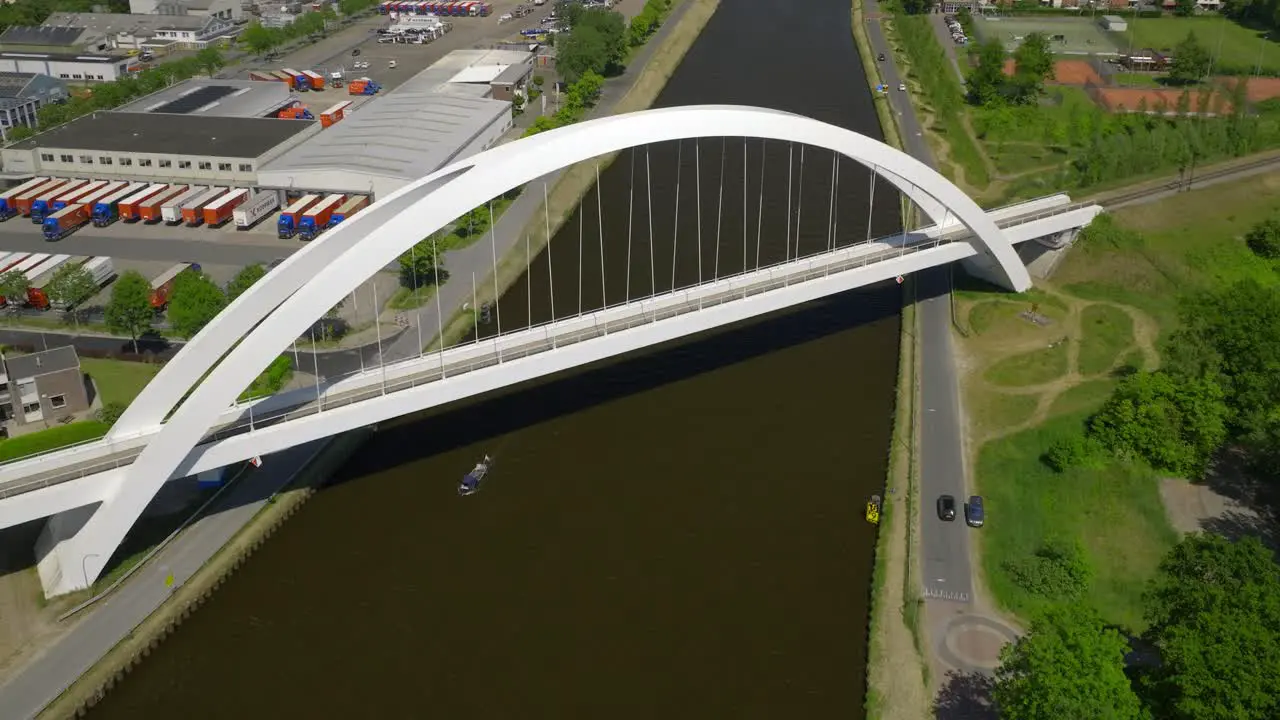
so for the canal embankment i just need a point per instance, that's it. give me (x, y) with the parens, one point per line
(897, 672)
(185, 597)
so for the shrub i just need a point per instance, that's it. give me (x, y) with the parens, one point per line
(1059, 570)
(110, 412)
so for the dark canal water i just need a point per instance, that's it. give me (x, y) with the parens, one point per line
(676, 534)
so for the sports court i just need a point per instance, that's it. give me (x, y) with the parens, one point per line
(1067, 36)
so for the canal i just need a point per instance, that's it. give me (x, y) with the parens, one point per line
(678, 533)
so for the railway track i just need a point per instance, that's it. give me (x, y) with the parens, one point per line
(1153, 191)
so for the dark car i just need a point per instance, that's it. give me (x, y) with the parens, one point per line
(881, 57)
(946, 508)
(973, 512)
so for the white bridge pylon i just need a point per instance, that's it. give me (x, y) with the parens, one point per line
(262, 323)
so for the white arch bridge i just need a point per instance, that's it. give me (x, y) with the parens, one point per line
(96, 491)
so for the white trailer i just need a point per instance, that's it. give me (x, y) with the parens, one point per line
(171, 211)
(254, 209)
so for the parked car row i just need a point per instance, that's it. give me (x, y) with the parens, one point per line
(973, 513)
(957, 31)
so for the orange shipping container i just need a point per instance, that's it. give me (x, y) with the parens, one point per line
(219, 211)
(149, 209)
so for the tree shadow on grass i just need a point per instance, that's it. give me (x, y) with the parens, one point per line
(966, 696)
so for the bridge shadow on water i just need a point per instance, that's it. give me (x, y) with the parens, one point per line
(501, 412)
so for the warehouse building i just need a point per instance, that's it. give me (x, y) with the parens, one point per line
(23, 94)
(216, 98)
(69, 53)
(443, 114)
(158, 147)
(134, 32)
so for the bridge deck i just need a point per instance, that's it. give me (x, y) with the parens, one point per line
(81, 461)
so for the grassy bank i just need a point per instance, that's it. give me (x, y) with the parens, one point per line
(138, 644)
(576, 181)
(897, 674)
(1104, 313)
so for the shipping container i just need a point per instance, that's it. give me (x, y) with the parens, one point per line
(36, 296)
(353, 205)
(171, 210)
(88, 200)
(101, 269)
(283, 77)
(8, 208)
(86, 190)
(254, 209)
(149, 209)
(316, 218)
(42, 204)
(218, 212)
(263, 76)
(315, 79)
(287, 225)
(64, 222)
(107, 209)
(298, 80)
(193, 210)
(128, 207)
(162, 285)
(335, 113)
(23, 200)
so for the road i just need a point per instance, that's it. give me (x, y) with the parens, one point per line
(42, 680)
(946, 568)
(139, 242)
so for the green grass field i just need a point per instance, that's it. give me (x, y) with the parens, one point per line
(117, 380)
(51, 439)
(1238, 48)
(1107, 332)
(1080, 36)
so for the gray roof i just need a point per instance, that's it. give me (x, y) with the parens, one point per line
(514, 74)
(112, 23)
(403, 135)
(42, 363)
(169, 134)
(225, 98)
(67, 57)
(13, 83)
(42, 35)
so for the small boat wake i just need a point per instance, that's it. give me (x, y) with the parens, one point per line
(470, 484)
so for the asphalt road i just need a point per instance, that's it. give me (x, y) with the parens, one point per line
(945, 564)
(40, 682)
(150, 243)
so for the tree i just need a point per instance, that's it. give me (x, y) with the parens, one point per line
(1070, 665)
(258, 38)
(917, 7)
(1190, 61)
(1173, 422)
(14, 285)
(421, 265)
(244, 280)
(1264, 239)
(583, 51)
(129, 311)
(1033, 64)
(71, 285)
(1059, 570)
(210, 60)
(1213, 611)
(987, 79)
(1232, 334)
(195, 301)
(1184, 8)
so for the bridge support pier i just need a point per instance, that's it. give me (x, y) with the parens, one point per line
(63, 557)
(985, 267)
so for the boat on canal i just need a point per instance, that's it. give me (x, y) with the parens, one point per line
(471, 482)
(873, 510)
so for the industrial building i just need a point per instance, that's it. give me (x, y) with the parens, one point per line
(216, 98)
(225, 9)
(135, 32)
(69, 53)
(443, 114)
(23, 94)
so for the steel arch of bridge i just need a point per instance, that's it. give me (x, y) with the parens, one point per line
(261, 323)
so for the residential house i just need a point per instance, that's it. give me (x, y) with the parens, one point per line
(42, 387)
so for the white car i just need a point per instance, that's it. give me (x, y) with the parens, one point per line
(391, 63)
(902, 87)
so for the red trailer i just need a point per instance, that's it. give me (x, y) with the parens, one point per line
(315, 79)
(130, 205)
(220, 210)
(149, 209)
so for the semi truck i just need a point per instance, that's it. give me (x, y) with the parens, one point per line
(64, 222)
(42, 204)
(9, 208)
(149, 210)
(287, 225)
(90, 199)
(129, 206)
(254, 209)
(107, 209)
(353, 205)
(171, 211)
(67, 198)
(36, 296)
(163, 283)
(101, 269)
(363, 86)
(23, 200)
(218, 212)
(314, 79)
(299, 81)
(316, 218)
(193, 211)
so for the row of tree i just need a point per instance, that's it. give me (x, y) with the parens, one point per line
(258, 38)
(194, 301)
(1213, 618)
(1032, 65)
(109, 95)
